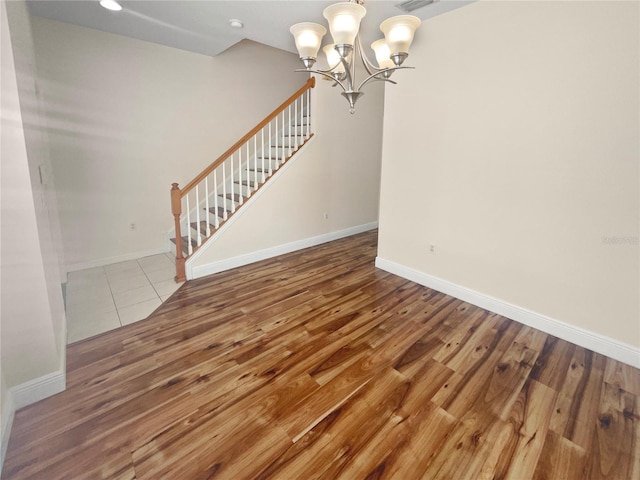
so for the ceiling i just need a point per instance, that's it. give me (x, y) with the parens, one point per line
(202, 26)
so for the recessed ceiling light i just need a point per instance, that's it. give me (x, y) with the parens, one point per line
(111, 5)
(235, 23)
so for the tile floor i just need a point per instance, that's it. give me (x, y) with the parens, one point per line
(103, 298)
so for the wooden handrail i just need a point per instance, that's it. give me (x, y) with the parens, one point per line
(309, 84)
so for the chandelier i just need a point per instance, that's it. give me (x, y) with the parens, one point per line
(344, 22)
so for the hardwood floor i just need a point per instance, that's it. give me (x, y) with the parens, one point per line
(317, 365)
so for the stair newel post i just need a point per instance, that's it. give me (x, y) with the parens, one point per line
(176, 210)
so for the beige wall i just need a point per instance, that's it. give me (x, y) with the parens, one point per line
(338, 172)
(43, 187)
(31, 316)
(513, 147)
(127, 118)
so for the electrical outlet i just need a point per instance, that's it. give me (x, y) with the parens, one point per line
(326, 215)
(132, 226)
(432, 249)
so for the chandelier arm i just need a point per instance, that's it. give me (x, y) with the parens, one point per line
(387, 80)
(368, 64)
(315, 70)
(324, 73)
(375, 76)
(349, 74)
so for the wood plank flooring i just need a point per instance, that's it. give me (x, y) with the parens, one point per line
(317, 365)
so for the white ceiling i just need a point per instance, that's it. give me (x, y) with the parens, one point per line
(202, 26)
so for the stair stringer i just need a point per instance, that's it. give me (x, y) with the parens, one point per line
(248, 202)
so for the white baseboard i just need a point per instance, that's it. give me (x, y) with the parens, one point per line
(38, 389)
(8, 412)
(234, 262)
(23, 395)
(598, 343)
(101, 262)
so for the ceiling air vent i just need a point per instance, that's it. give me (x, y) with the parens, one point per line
(411, 5)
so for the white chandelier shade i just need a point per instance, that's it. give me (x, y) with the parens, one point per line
(308, 37)
(333, 58)
(344, 21)
(383, 54)
(344, 24)
(398, 32)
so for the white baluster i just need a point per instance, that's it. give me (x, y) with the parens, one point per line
(262, 150)
(199, 238)
(206, 205)
(224, 192)
(233, 203)
(295, 122)
(249, 183)
(255, 159)
(284, 145)
(289, 149)
(240, 189)
(277, 136)
(270, 148)
(189, 247)
(308, 113)
(215, 197)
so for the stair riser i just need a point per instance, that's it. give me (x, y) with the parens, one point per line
(227, 203)
(245, 190)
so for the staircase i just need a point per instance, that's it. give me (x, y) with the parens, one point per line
(206, 203)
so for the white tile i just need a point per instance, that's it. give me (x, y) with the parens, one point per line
(80, 277)
(162, 275)
(133, 296)
(121, 267)
(172, 257)
(87, 272)
(131, 271)
(139, 311)
(164, 298)
(166, 287)
(129, 282)
(89, 282)
(155, 262)
(88, 308)
(85, 327)
(88, 295)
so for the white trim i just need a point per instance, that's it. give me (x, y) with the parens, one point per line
(234, 262)
(23, 395)
(63, 346)
(38, 389)
(119, 258)
(8, 412)
(593, 341)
